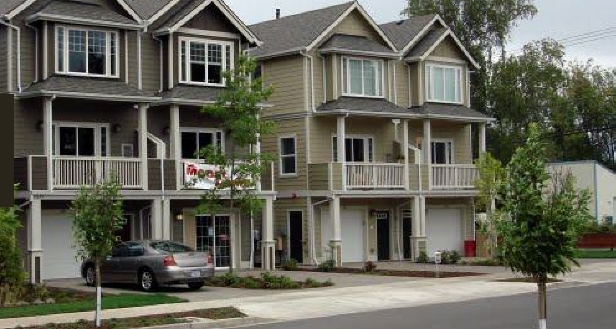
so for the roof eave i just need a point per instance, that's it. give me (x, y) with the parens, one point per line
(69, 19)
(358, 52)
(105, 97)
(293, 51)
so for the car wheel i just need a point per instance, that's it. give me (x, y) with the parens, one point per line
(90, 276)
(147, 281)
(195, 285)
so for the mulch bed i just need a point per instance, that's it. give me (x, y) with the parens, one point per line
(399, 273)
(150, 320)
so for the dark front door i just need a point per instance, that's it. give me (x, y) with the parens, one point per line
(407, 220)
(382, 234)
(295, 236)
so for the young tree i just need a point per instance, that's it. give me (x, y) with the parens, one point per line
(238, 172)
(11, 270)
(491, 177)
(98, 216)
(545, 218)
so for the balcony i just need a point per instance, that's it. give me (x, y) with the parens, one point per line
(453, 176)
(376, 176)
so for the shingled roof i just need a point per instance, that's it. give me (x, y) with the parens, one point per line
(402, 32)
(93, 88)
(147, 8)
(79, 11)
(448, 110)
(294, 32)
(355, 43)
(426, 42)
(6, 6)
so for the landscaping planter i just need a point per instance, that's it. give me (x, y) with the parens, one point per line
(597, 241)
(398, 273)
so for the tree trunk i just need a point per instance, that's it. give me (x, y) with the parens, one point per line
(543, 299)
(98, 315)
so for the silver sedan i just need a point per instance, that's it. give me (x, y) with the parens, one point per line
(152, 263)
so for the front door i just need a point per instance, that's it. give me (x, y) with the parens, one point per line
(382, 235)
(296, 236)
(214, 235)
(407, 231)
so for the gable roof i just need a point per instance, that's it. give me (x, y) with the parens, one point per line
(402, 32)
(426, 42)
(148, 8)
(12, 8)
(433, 40)
(6, 6)
(81, 12)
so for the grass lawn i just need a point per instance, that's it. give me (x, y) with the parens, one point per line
(109, 302)
(595, 253)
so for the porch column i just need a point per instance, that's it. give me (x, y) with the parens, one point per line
(175, 141)
(482, 138)
(336, 242)
(48, 139)
(340, 138)
(257, 150)
(418, 238)
(267, 236)
(405, 148)
(426, 148)
(166, 217)
(35, 248)
(143, 143)
(157, 219)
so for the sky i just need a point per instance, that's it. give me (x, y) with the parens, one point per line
(557, 19)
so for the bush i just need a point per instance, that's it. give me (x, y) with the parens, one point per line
(423, 257)
(12, 275)
(369, 266)
(278, 282)
(454, 257)
(230, 279)
(289, 265)
(327, 266)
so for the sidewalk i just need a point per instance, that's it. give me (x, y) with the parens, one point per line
(312, 303)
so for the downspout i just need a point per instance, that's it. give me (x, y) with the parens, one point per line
(7, 23)
(139, 73)
(395, 85)
(312, 228)
(36, 55)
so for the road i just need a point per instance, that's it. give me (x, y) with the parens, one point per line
(587, 307)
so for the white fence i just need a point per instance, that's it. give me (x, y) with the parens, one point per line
(453, 176)
(374, 176)
(73, 172)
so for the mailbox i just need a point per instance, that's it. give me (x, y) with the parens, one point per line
(437, 257)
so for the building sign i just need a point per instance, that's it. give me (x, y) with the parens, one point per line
(201, 176)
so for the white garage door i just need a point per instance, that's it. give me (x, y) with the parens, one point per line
(444, 230)
(351, 225)
(57, 242)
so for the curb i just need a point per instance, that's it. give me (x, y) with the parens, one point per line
(207, 324)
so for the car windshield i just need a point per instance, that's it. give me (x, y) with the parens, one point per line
(170, 247)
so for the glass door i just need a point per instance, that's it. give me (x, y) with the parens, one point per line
(214, 235)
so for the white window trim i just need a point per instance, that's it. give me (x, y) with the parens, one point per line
(280, 156)
(428, 79)
(184, 76)
(97, 137)
(107, 52)
(452, 149)
(365, 137)
(213, 131)
(347, 93)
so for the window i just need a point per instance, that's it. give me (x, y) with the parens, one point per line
(356, 149)
(86, 52)
(442, 152)
(444, 84)
(288, 156)
(214, 235)
(362, 77)
(193, 140)
(202, 62)
(81, 139)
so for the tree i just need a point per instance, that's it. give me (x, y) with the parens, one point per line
(98, 216)
(237, 173)
(491, 177)
(12, 274)
(545, 218)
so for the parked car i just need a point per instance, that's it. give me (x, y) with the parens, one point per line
(152, 263)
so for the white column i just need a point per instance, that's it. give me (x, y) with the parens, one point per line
(422, 204)
(482, 138)
(35, 248)
(48, 139)
(267, 235)
(340, 138)
(427, 149)
(337, 236)
(157, 219)
(405, 149)
(143, 143)
(170, 55)
(166, 217)
(257, 151)
(175, 141)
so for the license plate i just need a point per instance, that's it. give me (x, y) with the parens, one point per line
(195, 274)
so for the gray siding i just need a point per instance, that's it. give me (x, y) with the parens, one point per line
(3, 59)
(27, 139)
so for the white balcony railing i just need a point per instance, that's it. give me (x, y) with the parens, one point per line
(374, 176)
(453, 176)
(73, 172)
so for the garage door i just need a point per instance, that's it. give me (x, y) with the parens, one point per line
(57, 242)
(351, 225)
(443, 229)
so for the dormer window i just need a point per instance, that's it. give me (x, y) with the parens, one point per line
(362, 77)
(81, 51)
(444, 83)
(202, 62)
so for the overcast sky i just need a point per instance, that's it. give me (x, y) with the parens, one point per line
(556, 18)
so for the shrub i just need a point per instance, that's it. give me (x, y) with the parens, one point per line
(445, 255)
(230, 279)
(289, 265)
(278, 282)
(454, 257)
(369, 266)
(327, 266)
(423, 257)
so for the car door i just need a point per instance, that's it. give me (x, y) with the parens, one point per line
(110, 265)
(129, 264)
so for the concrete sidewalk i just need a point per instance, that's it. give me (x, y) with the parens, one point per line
(312, 303)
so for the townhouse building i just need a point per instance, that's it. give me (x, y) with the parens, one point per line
(374, 139)
(114, 88)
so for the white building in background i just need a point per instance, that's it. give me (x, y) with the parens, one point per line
(598, 179)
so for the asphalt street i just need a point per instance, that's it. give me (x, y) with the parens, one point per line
(586, 307)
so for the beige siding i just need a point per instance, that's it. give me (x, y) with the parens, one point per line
(461, 136)
(319, 176)
(318, 79)
(270, 146)
(448, 48)
(281, 211)
(416, 84)
(402, 84)
(286, 76)
(355, 24)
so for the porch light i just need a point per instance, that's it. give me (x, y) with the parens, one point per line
(179, 216)
(116, 128)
